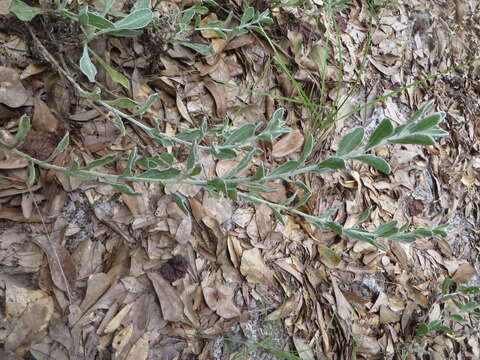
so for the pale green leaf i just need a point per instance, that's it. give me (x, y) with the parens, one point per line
(350, 142)
(86, 65)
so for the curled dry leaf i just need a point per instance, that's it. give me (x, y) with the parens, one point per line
(254, 268)
(12, 92)
(219, 298)
(288, 144)
(464, 273)
(218, 93)
(43, 119)
(62, 267)
(33, 320)
(16, 214)
(172, 306)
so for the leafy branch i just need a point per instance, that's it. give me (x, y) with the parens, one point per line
(231, 143)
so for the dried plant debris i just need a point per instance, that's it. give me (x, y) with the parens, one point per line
(106, 266)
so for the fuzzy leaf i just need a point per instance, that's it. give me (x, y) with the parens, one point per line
(417, 139)
(158, 174)
(62, 145)
(123, 188)
(200, 48)
(350, 142)
(241, 135)
(427, 123)
(100, 162)
(374, 161)
(285, 169)
(122, 102)
(98, 21)
(383, 131)
(137, 19)
(24, 127)
(333, 163)
(87, 66)
(23, 11)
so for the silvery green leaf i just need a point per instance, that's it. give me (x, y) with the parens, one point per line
(122, 103)
(364, 215)
(404, 227)
(405, 238)
(307, 193)
(307, 149)
(137, 19)
(278, 215)
(241, 135)
(192, 159)
(123, 188)
(436, 132)
(247, 15)
(350, 142)
(246, 160)
(114, 74)
(259, 174)
(220, 184)
(333, 163)
(141, 4)
(423, 232)
(158, 174)
(422, 111)
(120, 125)
(415, 139)
(131, 161)
(31, 174)
(285, 169)
(387, 229)
(86, 65)
(100, 162)
(190, 135)
(374, 161)
(223, 154)
(62, 145)
(164, 159)
(146, 105)
(24, 127)
(181, 202)
(98, 21)
(200, 48)
(261, 188)
(427, 123)
(383, 131)
(23, 11)
(123, 32)
(358, 234)
(442, 229)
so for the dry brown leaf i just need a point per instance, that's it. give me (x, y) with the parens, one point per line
(288, 144)
(122, 338)
(219, 298)
(12, 92)
(116, 321)
(278, 196)
(97, 285)
(254, 268)
(139, 350)
(304, 350)
(62, 268)
(464, 273)
(33, 320)
(344, 309)
(172, 306)
(218, 93)
(5, 6)
(15, 214)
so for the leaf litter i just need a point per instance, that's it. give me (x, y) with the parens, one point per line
(132, 277)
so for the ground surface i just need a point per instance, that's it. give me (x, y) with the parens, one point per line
(114, 276)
